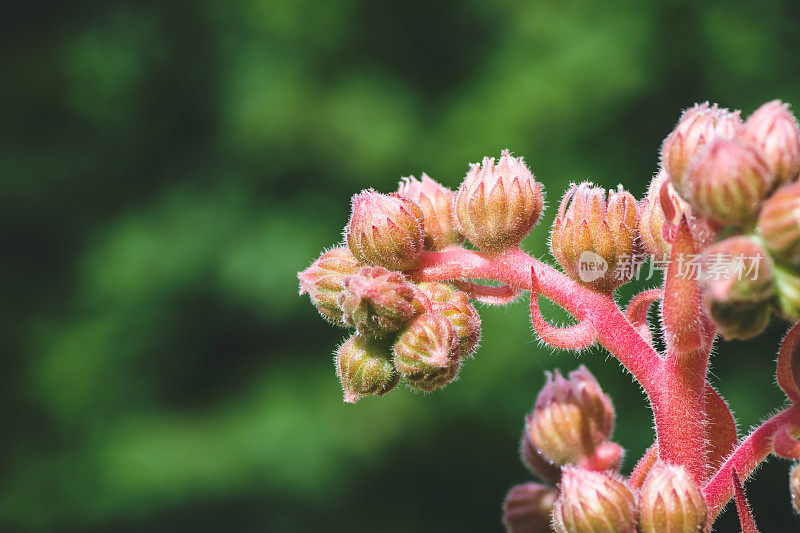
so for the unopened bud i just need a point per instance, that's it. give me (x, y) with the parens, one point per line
(773, 129)
(436, 202)
(497, 205)
(739, 321)
(787, 292)
(527, 508)
(364, 366)
(728, 181)
(455, 305)
(571, 417)
(794, 487)
(594, 502)
(779, 223)
(324, 282)
(377, 301)
(537, 463)
(737, 270)
(591, 238)
(654, 223)
(386, 230)
(671, 502)
(697, 127)
(426, 352)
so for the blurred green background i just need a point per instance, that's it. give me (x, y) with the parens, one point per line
(167, 167)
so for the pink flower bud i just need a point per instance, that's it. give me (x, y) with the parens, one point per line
(426, 353)
(591, 238)
(527, 508)
(794, 486)
(531, 457)
(571, 417)
(787, 291)
(497, 205)
(436, 202)
(386, 230)
(671, 502)
(728, 181)
(377, 301)
(324, 282)
(655, 225)
(739, 321)
(697, 127)
(779, 223)
(737, 270)
(593, 502)
(773, 129)
(455, 305)
(364, 366)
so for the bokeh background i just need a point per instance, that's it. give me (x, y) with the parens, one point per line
(167, 167)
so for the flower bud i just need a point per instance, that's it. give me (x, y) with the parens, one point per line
(377, 301)
(654, 223)
(592, 238)
(594, 502)
(737, 270)
(364, 366)
(728, 182)
(497, 205)
(426, 353)
(436, 202)
(739, 321)
(697, 127)
(386, 230)
(794, 486)
(527, 508)
(531, 457)
(671, 502)
(779, 223)
(455, 305)
(324, 282)
(571, 417)
(787, 292)
(773, 129)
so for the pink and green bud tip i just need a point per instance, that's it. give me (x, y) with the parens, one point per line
(386, 230)
(737, 270)
(436, 202)
(671, 502)
(364, 366)
(571, 417)
(455, 305)
(426, 352)
(324, 282)
(772, 128)
(728, 182)
(377, 301)
(697, 127)
(594, 502)
(787, 293)
(498, 204)
(593, 236)
(779, 223)
(527, 508)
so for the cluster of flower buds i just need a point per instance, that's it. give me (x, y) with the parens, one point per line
(416, 333)
(736, 180)
(593, 234)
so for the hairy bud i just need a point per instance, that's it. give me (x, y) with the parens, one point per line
(697, 127)
(593, 502)
(571, 417)
(537, 463)
(324, 282)
(592, 237)
(779, 223)
(728, 181)
(671, 502)
(773, 129)
(377, 301)
(436, 202)
(364, 366)
(386, 230)
(737, 270)
(497, 205)
(527, 508)
(739, 321)
(787, 292)
(455, 305)
(794, 486)
(426, 353)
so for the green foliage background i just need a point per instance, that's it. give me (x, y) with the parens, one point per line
(167, 167)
